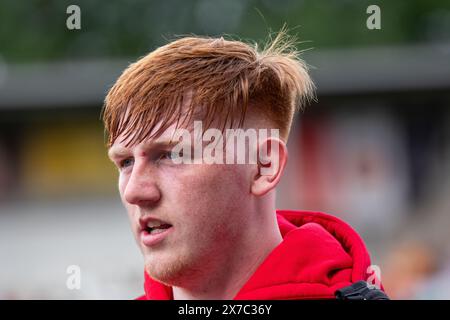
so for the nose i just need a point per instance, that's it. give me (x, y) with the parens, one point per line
(142, 188)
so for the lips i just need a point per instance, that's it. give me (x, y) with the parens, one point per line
(153, 231)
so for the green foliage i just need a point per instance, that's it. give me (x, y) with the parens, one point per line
(35, 30)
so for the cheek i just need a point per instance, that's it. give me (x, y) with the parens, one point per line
(210, 192)
(122, 183)
(131, 211)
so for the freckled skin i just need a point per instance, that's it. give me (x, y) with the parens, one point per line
(204, 203)
(223, 215)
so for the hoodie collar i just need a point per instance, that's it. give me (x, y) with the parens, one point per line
(319, 254)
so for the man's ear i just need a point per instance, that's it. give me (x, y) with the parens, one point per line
(272, 159)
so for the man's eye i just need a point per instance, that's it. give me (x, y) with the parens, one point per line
(126, 163)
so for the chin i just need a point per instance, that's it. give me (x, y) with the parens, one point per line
(163, 269)
(171, 271)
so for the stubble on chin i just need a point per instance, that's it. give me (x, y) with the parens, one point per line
(176, 272)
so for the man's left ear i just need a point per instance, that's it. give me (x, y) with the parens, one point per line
(272, 159)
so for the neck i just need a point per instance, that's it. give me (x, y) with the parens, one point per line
(223, 280)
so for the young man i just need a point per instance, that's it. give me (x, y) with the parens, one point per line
(205, 222)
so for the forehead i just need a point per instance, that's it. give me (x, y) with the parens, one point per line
(165, 138)
(185, 121)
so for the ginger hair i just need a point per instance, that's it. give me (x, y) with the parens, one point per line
(224, 80)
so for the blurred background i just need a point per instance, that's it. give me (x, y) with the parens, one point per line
(374, 149)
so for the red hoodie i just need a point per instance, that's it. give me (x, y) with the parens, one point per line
(319, 254)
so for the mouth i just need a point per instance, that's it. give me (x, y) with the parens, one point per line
(158, 228)
(154, 231)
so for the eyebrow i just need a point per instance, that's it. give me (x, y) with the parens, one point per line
(117, 152)
(120, 152)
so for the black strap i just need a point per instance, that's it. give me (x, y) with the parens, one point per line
(360, 291)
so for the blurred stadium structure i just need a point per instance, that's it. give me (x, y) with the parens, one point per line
(374, 149)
